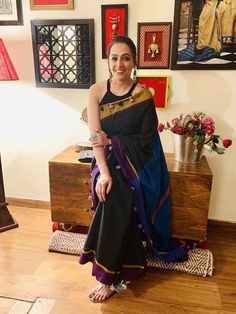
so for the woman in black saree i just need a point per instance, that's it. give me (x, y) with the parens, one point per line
(130, 183)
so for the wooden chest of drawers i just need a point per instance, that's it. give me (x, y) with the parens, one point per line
(190, 193)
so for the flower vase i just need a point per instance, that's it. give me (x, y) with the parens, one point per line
(184, 149)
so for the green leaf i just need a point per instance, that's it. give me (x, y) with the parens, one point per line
(220, 150)
(215, 138)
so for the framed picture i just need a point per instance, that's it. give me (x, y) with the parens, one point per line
(63, 61)
(11, 12)
(51, 4)
(154, 45)
(204, 36)
(159, 87)
(114, 22)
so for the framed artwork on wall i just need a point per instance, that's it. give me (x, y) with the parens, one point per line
(63, 53)
(159, 87)
(11, 12)
(154, 45)
(114, 22)
(204, 36)
(51, 4)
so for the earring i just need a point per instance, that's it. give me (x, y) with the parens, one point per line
(135, 74)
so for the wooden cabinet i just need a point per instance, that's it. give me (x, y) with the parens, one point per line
(70, 189)
(190, 197)
(190, 193)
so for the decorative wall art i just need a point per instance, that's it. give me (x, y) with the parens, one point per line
(204, 35)
(11, 12)
(154, 45)
(51, 4)
(114, 22)
(159, 87)
(63, 53)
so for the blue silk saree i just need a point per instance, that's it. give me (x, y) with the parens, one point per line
(137, 210)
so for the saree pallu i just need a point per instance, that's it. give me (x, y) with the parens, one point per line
(138, 206)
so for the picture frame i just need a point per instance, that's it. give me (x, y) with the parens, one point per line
(197, 45)
(154, 40)
(11, 13)
(51, 4)
(159, 87)
(114, 22)
(64, 61)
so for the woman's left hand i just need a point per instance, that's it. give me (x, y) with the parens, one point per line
(100, 140)
(104, 185)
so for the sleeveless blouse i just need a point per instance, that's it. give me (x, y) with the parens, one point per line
(110, 97)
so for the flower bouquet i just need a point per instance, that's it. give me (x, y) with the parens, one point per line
(200, 129)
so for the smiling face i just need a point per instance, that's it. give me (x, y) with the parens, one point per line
(121, 61)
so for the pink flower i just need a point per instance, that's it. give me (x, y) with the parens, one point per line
(208, 121)
(161, 127)
(227, 142)
(179, 130)
(197, 126)
(210, 130)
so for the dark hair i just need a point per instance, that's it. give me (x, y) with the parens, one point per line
(123, 40)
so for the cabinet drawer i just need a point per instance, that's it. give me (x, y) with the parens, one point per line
(189, 223)
(190, 191)
(69, 192)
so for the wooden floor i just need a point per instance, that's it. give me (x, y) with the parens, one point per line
(30, 274)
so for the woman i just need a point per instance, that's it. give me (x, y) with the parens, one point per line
(130, 186)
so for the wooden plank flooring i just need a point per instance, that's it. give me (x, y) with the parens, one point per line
(28, 272)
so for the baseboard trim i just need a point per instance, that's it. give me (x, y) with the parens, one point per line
(23, 202)
(222, 223)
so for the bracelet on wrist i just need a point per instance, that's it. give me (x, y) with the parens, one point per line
(102, 166)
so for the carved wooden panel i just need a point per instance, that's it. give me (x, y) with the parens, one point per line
(63, 53)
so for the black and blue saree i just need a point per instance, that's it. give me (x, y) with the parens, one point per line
(138, 207)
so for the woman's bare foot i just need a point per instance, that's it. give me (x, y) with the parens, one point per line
(101, 293)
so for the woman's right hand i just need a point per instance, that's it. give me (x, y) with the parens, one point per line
(104, 185)
(99, 138)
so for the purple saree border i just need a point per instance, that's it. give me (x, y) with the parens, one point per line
(108, 278)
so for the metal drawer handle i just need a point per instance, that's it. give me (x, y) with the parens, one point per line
(86, 182)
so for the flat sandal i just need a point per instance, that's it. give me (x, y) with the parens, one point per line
(95, 290)
(121, 286)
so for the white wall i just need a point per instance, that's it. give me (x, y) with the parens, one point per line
(37, 123)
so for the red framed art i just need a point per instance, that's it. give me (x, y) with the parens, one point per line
(114, 22)
(159, 87)
(154, 45)
(51, 4)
